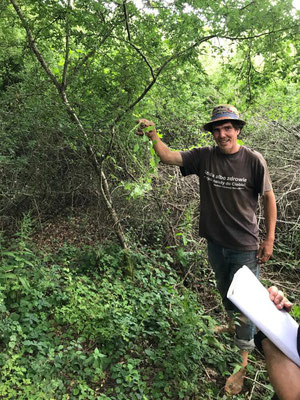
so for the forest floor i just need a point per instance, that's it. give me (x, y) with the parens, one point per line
(77, 231)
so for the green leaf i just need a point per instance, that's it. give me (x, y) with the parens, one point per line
(8, 276)
(24, 283)
(148, 129)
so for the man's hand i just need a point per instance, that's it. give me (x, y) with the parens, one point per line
(166, 155)
(279, 299)
(144, 125)
(265, 251)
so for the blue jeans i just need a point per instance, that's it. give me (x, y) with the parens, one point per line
(225, 262)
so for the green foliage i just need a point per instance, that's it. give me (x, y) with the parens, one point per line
(108, 69)
(72, 326)
(296, 312)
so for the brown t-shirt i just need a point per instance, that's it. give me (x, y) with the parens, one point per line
(229, 189)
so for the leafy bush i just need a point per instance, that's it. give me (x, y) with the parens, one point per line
(74, 327)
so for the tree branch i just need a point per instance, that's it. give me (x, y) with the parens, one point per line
(98, 166)
(174, 56)
(91, 53)
(144, 57)
(249, 72)
(154, 79)
(34, 47)
(259, 34)
(247, 5)
(160, 69)
(126, 20)
(67, 49)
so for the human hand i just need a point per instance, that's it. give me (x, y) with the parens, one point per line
(143, 128)
(279, 299)
(265, 251)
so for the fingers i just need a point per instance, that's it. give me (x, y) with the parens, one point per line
(279, 299)
(262, 256)
(259, 254)
(145, 127)
(273, 291)
(287, 305)
(144, 123)
(140, 127)
(264, 252)
(283, 303)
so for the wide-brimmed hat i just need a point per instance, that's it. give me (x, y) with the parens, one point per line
(223, 112)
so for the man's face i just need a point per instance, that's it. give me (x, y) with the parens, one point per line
(225, 136)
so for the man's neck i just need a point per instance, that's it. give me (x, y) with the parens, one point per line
(232, 151)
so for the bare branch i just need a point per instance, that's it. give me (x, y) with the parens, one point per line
(82, 62)
(64, 76)
(109, 203)
(293, 131)
(50, 23)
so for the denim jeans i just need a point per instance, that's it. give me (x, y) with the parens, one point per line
(225, 262)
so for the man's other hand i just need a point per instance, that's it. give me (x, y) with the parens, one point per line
(265, 251)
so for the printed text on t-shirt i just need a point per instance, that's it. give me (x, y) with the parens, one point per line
(226, 182)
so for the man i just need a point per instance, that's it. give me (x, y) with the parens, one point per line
(231, 178)
(284, 374)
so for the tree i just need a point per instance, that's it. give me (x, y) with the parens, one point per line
(103, 58)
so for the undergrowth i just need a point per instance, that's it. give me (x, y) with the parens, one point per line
(73, 326)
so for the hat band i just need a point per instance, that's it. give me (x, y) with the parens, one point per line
(230, 115)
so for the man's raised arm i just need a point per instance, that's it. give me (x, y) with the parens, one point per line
(166, 155)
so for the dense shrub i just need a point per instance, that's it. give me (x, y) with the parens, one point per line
(74, 327)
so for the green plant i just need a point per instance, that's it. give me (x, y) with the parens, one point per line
(79, 329)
